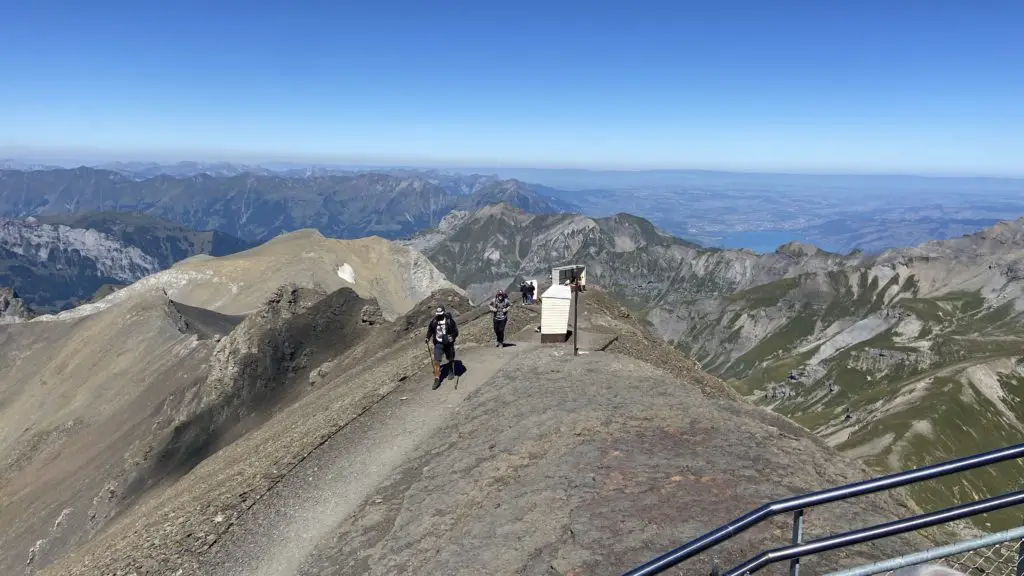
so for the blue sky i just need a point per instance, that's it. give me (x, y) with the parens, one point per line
(933, 87)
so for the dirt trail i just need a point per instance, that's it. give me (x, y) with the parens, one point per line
(286, 525)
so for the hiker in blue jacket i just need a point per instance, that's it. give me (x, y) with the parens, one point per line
(499, 308)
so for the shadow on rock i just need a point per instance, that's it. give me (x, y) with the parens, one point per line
(267, 362)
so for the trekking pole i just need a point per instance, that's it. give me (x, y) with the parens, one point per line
(457, 375)
(430, 354)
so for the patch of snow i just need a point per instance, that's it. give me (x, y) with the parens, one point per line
(346, 273)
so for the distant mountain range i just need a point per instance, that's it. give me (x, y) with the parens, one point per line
(144, 170)
(760, 211)
(259, 206)
(58, 262)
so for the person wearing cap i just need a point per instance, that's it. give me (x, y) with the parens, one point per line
(442, 331)
(499, 308)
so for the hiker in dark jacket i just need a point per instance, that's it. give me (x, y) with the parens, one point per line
(442, 332)
(499, 307)
(524, 290)
(531, 290)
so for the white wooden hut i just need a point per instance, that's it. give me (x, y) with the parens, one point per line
(556, 304)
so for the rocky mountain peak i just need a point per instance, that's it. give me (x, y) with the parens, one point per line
(12, 308)
(1008, 231)
(798, 249)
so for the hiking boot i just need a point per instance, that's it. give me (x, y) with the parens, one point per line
(437, 384)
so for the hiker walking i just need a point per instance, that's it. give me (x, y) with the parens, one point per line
(442, 332)
(499, 307)
(531, 289)
(524, 291)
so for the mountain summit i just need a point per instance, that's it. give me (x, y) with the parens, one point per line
(497, 245)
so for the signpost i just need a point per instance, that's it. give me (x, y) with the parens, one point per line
(575, 315)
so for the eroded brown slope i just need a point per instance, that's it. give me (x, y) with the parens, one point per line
(107, 405)
(74, 398)
(555, 465)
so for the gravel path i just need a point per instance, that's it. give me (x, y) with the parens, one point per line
(285, 526)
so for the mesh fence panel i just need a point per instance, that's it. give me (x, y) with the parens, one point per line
(996, 560)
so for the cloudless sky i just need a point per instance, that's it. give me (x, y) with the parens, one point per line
(817, 85)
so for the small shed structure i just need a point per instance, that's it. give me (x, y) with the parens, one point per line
(556, 305)
(562, 275)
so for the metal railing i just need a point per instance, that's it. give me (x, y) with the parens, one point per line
(878, 532)
(998, 554)
(798, 504)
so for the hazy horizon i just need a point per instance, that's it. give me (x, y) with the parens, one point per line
(72, 158)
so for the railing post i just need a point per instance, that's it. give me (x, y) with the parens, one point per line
(798, 538)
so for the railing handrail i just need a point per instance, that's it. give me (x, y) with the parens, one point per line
(794, 503)
(946, 551)
(878, 532)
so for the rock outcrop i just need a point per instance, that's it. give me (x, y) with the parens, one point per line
(12, 308)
